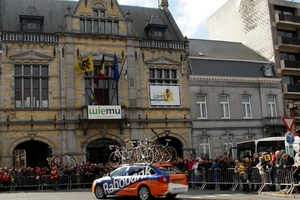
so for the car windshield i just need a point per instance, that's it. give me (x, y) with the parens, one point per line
(170, 170)
(118, 172)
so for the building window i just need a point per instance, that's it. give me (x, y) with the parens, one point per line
(201, 107)
(100, 92)
(272, 111)
(267, 69)
(246, 107)
(31, 23)
(163, 76)
(224, 106)
(96, 25)
(31, 86)
(227, 146)
(204, 146)
(288, 34)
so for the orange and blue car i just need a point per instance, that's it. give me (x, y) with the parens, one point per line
(142, 180)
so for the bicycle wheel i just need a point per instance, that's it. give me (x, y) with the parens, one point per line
(156, 155)
(174, 153)
(167, 155)
(114, 159)
(135, 155)
(148, 155)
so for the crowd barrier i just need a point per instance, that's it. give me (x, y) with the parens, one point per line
(257, 179)
(208, 179)
(44, 182)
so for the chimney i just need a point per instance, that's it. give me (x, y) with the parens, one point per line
(163, 4)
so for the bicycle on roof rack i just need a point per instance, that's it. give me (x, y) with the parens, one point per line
(122, 155)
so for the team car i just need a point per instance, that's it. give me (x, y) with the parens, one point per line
(142, 180)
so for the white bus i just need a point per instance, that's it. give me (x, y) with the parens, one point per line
(248, 148)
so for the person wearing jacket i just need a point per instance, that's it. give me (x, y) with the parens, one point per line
(54, 178)
(287, 163)
(223, 165)
(296, 173)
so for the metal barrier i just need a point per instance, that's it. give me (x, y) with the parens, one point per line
(44, 182)
(257, 179)
(207, 179)
(82, 180)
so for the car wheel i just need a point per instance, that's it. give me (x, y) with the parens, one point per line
(144, 193)
(171, 196)
(99, 192)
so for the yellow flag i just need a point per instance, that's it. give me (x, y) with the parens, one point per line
(85, 65)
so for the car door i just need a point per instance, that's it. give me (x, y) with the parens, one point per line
(117, 177)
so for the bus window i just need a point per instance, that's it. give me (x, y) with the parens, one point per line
(245, 149)
(268, 146)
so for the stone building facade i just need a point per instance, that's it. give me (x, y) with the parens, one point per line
(235, 97)
(44, 103)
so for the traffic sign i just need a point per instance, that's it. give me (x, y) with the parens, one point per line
(289, 137)
(49, 159)
(289, 122)
(57, 160)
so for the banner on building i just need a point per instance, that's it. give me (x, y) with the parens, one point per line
(71, 160)
(104, 112)
(164, 95)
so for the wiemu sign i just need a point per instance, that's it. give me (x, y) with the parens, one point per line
(104, 112)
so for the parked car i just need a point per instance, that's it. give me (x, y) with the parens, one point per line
(142, 180)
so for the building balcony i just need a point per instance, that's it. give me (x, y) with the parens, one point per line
(288, 44)
(290, 65)
(287, 21)
(293, 112)
(272, 121)
(29, 37)
(291, 89)
(162, 44)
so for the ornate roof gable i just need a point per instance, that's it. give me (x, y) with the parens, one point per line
(31, 55)
(162, 61)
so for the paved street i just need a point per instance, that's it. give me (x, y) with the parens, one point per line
(86, 194)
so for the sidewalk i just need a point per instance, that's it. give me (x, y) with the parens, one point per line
(193, 191)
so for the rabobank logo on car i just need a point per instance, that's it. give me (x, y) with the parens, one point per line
(117, 183)
(104, 112)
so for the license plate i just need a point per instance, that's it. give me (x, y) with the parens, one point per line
(177, 181)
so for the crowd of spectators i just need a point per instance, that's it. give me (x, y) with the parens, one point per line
(268, 164)
(26, 178)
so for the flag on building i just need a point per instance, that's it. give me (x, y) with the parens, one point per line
(85, 65)
(102, 69)
(92, 96)
(125, 69)
(116, 68)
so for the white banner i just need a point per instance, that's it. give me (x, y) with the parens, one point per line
(104, 112)
(164, 95)
(71, 160)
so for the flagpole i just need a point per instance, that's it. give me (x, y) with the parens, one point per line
(118, 80)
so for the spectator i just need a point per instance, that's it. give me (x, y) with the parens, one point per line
(190, 164)
(296, 173)
(216, 172)
(262, 167)
(287, 164)
(278, 165)
(196, 180)
(5, 178)
(222, 166)
(54, 178)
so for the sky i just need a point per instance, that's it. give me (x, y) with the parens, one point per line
(190, 15)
